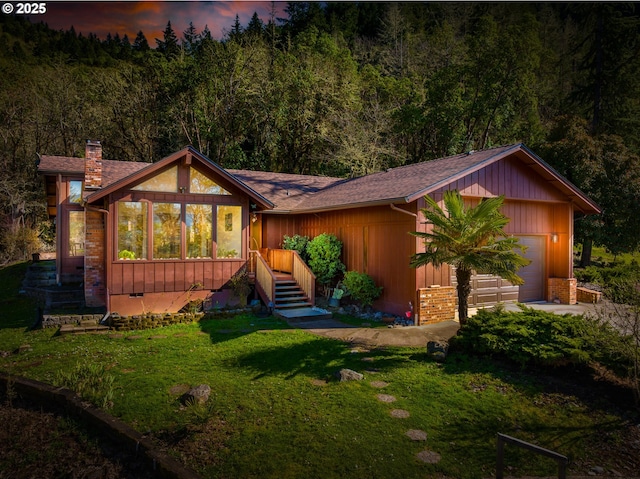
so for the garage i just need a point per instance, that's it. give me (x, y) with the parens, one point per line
(487, 289)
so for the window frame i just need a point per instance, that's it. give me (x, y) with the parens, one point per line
(184, 198)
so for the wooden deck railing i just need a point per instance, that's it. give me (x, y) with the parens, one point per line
(281, 260)
(265, 279)
(304, 276)
(285, 261)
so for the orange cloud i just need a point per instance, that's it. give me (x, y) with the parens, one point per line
(102, 18)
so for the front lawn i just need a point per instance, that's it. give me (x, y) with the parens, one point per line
(275, 410)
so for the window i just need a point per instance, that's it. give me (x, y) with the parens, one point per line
(167, 181)
(199, 221)
(166, 231)
(199, 183)
(229, 231)
(75, 191)
(132, 230)
(76, 233)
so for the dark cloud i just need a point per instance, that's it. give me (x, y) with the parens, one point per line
(129, 18)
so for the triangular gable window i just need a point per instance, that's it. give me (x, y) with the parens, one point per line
(199, 183)
(167, 181)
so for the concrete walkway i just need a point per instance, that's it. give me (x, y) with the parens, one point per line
(415, 336)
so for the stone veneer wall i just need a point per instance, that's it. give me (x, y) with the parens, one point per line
(562, 290)
(436, 304)
(94, 259)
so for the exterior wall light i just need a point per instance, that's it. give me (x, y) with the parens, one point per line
(554, 237)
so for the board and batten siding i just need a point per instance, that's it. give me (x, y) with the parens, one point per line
(375, 240)
(535, 208)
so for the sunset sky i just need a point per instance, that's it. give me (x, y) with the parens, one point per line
(151, 17)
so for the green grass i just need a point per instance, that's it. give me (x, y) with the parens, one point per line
(601, 257)
(268, 417)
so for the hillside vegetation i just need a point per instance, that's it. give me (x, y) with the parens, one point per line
(338, 88)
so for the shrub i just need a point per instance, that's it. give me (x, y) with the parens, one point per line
(361, 287)
(297, 243)
(529, 336)
(324, 257)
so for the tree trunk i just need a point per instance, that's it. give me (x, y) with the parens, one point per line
(585, 257)
(463, 277)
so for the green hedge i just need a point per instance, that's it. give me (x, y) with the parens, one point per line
(531, 336)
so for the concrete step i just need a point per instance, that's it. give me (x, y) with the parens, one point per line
(293, 305)
(306, 313)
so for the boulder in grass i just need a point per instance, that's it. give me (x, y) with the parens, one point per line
(438, 350)
(349, 375)
(197, 395)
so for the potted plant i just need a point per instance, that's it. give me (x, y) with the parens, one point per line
(334, 300)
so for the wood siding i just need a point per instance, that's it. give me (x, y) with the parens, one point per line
(135, 277)
(375, 241)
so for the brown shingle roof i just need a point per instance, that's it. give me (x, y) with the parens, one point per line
(112, 170)
(305, 193)
(285, 190)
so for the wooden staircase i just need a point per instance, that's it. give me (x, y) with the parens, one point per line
(286, 283)
(289, 294)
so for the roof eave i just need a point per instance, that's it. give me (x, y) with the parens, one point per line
(344, 206)
(255, 196)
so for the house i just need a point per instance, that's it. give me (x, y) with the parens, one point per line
(151, 237)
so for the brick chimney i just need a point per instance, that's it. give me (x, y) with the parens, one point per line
(93, 165)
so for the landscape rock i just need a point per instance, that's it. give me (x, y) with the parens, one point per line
(438, 350)
(416, 435)
(349, 375)
(199, 394)
(429, 457)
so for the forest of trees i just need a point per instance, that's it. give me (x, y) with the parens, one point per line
(340, 89)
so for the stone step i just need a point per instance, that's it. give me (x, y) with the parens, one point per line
(79, 329)
(302, 314)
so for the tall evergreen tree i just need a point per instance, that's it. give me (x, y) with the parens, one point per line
(168, 46)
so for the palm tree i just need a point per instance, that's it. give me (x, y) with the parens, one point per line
(469, 239)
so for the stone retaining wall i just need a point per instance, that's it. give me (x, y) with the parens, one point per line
(150, 321)
(56, 320)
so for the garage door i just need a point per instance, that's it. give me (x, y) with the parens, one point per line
(533, 274)
(487, 289)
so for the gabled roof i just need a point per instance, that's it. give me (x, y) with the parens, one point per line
(404, 184)
(288, 193)
(120, 174)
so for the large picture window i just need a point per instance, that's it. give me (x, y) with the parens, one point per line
(199, 221)
(164, 227)
(76, 233)
(166, 231)
(132, 230)
(229, 231)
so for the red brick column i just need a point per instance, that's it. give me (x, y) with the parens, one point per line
(436, 304)
(94, 259)
(562, 290)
